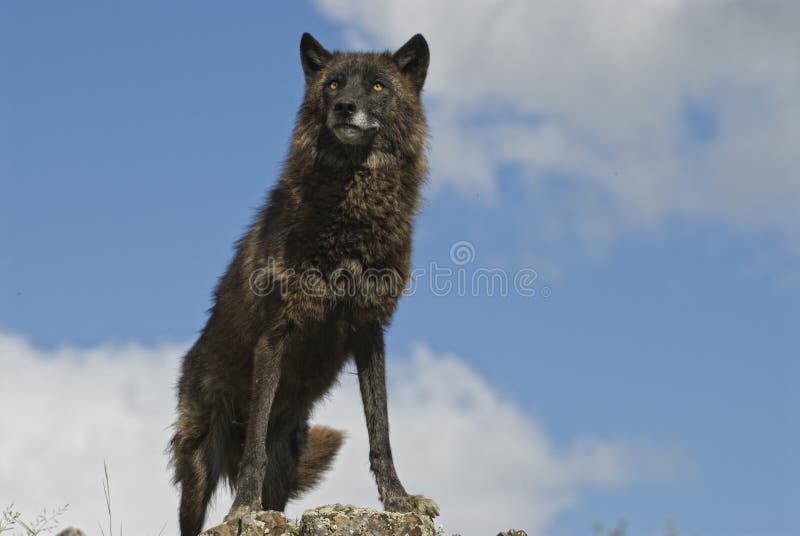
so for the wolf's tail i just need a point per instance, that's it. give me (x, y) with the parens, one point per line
(321, 449)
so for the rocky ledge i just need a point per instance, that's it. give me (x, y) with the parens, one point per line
(332, 520)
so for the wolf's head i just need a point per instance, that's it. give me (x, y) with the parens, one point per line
(365, 99)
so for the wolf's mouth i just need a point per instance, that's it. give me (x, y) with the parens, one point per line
(354, 129)
(352, 134)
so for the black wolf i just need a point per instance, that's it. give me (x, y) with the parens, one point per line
(314, 282)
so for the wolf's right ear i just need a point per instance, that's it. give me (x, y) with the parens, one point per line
(313, 56)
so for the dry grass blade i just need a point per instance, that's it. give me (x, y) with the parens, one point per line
(107, 493)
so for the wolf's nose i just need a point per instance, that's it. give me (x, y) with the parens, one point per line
(345, 106)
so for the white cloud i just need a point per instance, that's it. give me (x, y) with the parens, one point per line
(489, 464)
(598, 92)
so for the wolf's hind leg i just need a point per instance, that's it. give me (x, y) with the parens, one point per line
(297, 459)
(284, 442)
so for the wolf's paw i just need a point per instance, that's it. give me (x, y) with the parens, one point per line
(412, 503)
(238, 512)
(423, 505)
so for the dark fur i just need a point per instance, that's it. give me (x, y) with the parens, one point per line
(298, 299)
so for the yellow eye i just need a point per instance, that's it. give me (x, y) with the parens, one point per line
(377, 86)
(333, 85)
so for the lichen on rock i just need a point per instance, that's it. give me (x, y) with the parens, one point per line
(330, 520)
(347, 520)
(333, 520)
(266, 523)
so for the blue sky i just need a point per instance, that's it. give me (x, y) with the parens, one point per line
(137, 140)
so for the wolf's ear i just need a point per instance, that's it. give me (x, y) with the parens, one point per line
(312, 55)
(413, 59)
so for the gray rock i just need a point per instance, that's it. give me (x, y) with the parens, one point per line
(330, 520)
(255, 524)
(347, 520)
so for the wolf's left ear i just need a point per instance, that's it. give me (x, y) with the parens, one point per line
(413, 59)
(313, 56)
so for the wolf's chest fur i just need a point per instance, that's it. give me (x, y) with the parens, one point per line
(349, 244)
(360, 217)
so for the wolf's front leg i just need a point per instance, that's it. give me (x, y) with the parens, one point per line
(252, 468)
(370, 361)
